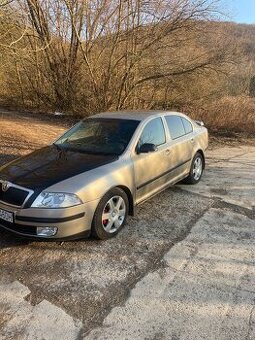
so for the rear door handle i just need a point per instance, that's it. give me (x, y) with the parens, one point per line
(192, 140)
(168, 151)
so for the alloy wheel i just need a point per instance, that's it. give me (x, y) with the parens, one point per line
(197, 168)
(114, 214)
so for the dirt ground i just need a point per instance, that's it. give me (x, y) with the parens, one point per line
(20, 134)
(182, 268)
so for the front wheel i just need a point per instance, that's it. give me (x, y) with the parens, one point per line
(110, 215)
(196, 169)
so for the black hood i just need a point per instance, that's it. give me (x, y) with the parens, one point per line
(50, 165)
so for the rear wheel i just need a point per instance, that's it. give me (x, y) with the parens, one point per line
(110, 215)
(196, 169)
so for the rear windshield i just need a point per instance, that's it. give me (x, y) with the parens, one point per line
(99, 136)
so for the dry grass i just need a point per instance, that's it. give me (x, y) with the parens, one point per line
(233, 114)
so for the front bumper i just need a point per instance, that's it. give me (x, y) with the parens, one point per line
(74, 222)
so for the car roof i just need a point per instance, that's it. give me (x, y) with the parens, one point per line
(133, 114)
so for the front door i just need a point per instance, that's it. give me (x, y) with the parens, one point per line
(150, 167)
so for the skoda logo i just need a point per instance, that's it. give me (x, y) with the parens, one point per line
(5, 186)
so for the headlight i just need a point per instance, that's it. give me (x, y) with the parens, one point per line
(56, 200)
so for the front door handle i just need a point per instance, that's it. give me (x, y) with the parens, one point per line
(168, 151)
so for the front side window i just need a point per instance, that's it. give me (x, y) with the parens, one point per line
(153, 133)
(175, 126)
(187, 126)
(99, 136)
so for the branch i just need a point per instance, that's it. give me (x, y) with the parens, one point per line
(5, 2)
(165, 75)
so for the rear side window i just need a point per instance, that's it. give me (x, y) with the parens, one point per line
(153, 133)
(175, 126)
(187, 125)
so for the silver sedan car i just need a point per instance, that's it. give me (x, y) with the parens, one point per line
(93, 177)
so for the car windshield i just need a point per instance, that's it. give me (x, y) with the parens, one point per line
(99, 136)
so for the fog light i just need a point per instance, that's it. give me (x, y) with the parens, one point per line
(46, 231)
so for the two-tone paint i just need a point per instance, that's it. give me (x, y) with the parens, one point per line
(91, 176)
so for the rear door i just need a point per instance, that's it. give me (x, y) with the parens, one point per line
(150, 167)
(180, 146)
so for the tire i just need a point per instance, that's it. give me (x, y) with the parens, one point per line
(196, 170)
(110, 215)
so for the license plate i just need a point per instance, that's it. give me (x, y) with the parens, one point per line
(6, 216)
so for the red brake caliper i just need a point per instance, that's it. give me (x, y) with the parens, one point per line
(105, 221)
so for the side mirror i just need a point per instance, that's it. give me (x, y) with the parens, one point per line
(147, 147)
(200, 122)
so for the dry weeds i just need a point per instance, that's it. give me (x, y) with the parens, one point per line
(229, 115)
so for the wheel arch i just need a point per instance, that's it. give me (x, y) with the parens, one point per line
(131, 210)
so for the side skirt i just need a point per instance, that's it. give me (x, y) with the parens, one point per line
(161, 190)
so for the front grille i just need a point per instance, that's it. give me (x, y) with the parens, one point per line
(23, 229)
(14, 196)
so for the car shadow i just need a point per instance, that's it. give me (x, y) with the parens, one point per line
(8, 240)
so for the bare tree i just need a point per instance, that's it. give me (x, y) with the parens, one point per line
(93, 55)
